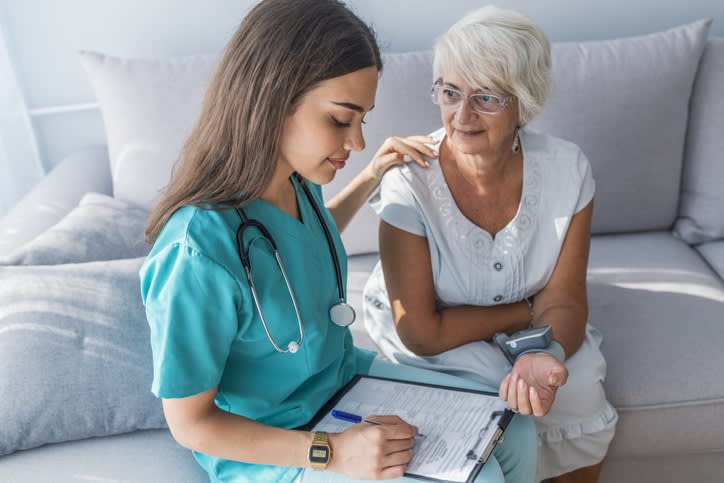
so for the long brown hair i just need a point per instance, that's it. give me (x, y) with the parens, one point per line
(280, 51)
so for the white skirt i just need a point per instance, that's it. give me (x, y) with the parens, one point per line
(574, 434)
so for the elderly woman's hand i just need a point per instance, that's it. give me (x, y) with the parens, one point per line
(530, 387)
(397, 150)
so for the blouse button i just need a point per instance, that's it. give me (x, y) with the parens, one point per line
(498, 266)
(498, 298)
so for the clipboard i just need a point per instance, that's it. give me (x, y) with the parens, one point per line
(461, 426)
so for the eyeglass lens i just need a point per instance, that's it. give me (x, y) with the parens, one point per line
(485, 103)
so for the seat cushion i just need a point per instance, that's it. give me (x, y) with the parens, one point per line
(659, 307)
(140, 457)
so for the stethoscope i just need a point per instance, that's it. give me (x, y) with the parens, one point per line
(341, 313)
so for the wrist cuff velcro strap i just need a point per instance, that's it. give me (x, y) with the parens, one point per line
(554, 348)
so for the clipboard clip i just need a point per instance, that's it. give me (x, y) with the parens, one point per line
(486, 453)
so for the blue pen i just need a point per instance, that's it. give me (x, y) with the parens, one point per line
(349, 417)
(355, 419)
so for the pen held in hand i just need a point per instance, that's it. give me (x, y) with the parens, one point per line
(355, 419)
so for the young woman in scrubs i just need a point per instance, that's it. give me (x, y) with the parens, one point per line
(238, 369)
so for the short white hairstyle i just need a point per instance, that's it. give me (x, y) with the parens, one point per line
(501, 50)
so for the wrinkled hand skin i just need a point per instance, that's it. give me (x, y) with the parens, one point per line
(530, 387)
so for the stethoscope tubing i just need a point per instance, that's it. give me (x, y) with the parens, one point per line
(294, 345)
(328, 235)
(247, 223)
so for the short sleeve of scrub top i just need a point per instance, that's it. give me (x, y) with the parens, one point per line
(192, 344)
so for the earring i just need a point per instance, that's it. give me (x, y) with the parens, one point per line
(516, 143)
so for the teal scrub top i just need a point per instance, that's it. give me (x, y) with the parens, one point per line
(206, 331)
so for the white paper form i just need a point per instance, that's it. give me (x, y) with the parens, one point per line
(451, 420)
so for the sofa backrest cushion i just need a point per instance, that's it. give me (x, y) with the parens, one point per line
(99, 228)
(702, 197)
(148, 108)
(624, 101)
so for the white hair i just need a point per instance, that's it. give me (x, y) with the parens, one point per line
(500, 50)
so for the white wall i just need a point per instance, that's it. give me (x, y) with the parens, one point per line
(43, 37)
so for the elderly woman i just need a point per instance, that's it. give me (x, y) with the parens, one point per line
(493, 238)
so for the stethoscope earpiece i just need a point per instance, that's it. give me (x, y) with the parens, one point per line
(341, 313)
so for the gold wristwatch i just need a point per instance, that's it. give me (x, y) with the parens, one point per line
(320, 453)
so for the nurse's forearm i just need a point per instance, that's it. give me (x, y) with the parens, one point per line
(233, 437)
(345, 204)
(197, 424)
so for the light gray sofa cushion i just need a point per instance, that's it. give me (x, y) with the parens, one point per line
(141, 457)
(99, 228)
(702, 197)
(625, 103)
(149, 107)
(75, 357)
(659, 307)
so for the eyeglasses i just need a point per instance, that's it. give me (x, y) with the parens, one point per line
(450, 98)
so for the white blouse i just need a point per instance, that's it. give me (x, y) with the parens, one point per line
(469, 265)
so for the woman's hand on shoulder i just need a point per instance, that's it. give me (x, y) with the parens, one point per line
(531, 386)
(397, 150)
(378, 452)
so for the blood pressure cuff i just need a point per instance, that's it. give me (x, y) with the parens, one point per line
(535, 339)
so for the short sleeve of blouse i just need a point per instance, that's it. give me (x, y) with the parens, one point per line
(191, 303)
(588, 185)
(396, 204)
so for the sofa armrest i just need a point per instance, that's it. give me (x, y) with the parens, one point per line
(55, 195)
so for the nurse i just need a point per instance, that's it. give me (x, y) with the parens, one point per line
(244, 286)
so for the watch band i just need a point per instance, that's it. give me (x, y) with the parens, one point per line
(320, 452)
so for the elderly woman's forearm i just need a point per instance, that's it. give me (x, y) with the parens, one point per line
(568, 322)
(442, 330)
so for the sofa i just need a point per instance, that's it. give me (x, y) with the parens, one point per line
(75, 367)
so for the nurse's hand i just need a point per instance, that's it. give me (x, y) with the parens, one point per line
(397, 150)
(373, 452)
(531, 386)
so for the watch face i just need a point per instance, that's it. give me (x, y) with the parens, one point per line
(318, 453)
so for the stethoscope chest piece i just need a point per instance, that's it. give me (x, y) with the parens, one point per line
(342, 314)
